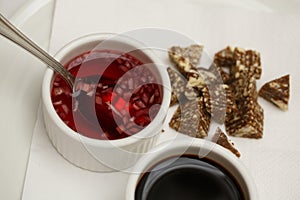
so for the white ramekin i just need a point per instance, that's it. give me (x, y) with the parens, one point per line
(102, 155)
(199, 147)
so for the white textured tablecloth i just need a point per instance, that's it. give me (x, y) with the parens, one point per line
(273, 161)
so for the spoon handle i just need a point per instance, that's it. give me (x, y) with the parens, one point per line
(9, 31)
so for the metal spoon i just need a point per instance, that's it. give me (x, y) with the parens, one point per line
(12, 33)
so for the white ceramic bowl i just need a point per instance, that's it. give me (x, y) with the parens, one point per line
(103, 155)
(199, 147)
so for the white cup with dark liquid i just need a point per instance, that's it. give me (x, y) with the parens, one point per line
(190, 169)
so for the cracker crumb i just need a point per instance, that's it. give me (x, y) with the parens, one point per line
(191, 119)
(222, 139)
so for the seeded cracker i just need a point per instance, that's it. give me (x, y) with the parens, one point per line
(241, 62)
(185, 58)
(277, 92)
(222, 139)
(243, 88)
(224, 58)
(218, 101)
(191, 93)
(247, 64)
(180, 90)
(247, 121)
(245, 69)
(192, 53)
(201, 77)
(178, 83)
(191, 119)
(219, 73)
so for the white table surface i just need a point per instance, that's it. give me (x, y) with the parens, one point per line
(20, 81)
(8, 8)
(11, 179)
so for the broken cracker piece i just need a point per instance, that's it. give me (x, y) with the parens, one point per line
(192, 53)
(218, 101)
(224, 58)
(200, 77)
(241, 62)
(222, 139)
(180, 90)
(247, 121)
(277, 92)
(243, 88)
(247, 64)
(197, 79)
(219, 73)
(185, 58)
(190, 92)
(178, 84)
(191, 119)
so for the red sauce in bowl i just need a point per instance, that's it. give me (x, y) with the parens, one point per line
(122, 97)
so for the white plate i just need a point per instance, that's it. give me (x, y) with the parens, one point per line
(20, 88)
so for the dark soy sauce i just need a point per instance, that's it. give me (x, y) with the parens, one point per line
(187, 178)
